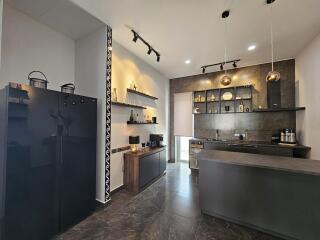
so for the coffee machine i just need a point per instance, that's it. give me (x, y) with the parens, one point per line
(156, 140)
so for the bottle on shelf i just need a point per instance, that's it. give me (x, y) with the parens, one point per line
(241, 107)
(131, 119)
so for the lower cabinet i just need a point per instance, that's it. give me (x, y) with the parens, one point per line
(141, 168)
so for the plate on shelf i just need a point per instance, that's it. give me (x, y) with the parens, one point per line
(227, 96)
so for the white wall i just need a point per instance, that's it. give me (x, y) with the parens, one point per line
(126, 67)
(91, 81)
(307, 94)
(28, 45)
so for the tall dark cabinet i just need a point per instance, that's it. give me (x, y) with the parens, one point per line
(47, 161)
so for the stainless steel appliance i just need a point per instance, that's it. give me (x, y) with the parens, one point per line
(156, 140)
(288, 136)
(195, 147)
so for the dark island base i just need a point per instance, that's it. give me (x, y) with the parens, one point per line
(280, 203)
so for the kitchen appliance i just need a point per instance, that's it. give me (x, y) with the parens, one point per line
(47, 161)
(133, 141)
(38, 82)
(68, 88)
(288, 136)
(156, 140)
(195, 147)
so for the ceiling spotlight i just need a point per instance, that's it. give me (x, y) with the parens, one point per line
(135, 37)
(149, 51)
(203, 70)
(221, 67)
(158, 58)
(187, 61)
(252, 47)
(234, 64)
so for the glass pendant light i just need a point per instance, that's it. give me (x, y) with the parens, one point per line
(226, 79)
(273, 76)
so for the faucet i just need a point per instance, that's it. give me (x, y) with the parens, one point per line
(217, 134)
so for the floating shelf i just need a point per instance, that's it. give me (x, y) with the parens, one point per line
(293, 109)
(120, 104)
(141, 94)
(140, 123)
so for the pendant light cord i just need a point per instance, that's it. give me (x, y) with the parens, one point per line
(271, 34)
(225, 44)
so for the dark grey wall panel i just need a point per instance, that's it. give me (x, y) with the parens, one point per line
(278, 202)
(261, 126)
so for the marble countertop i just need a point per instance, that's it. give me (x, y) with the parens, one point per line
(296, 165)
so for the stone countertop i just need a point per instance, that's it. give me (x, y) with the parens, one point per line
(295, 165)
(252, 143)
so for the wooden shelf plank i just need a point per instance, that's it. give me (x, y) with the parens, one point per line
(140, 123)
(141, 94)
(293, 109)
(120, 104)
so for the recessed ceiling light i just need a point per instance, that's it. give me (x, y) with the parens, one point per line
(252, 47)
(187, 61)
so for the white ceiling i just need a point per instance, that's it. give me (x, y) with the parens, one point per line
(61, 15)
(192, 29)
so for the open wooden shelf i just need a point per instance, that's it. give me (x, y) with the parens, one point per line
(141, 94)
(140, 123)
(293, 109)
(121, 104)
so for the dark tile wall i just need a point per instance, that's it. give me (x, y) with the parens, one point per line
(259, 126)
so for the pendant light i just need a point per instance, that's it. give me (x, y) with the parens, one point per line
(226, 79)
(273, 76)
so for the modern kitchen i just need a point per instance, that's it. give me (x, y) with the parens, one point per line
(118, 121)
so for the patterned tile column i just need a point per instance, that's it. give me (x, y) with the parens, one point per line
(108, 114)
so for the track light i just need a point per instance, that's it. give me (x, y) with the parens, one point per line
(135, 37)
(222, 64)
(234, 64)
(203, 70)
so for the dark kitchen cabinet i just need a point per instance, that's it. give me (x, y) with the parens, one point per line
(163, 161)
(264, 149)
(47, 161)
(141, 168)
(149, 168)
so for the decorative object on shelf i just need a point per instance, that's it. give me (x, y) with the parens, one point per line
(241, 107)
(273, 76)
(227, 108)
(136, 36)
(227, 96)
(68, 88)
(133, 141)
(196, 110)
(114, 95)
(131, 119)
(131, 85)
(38, 82)
(154, 119)
(226, 79)
(247, 109)
(134, 87)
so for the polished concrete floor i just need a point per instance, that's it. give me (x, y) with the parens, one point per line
(168, 209)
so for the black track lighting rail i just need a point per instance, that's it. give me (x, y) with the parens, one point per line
(221, 64)
(136, 36)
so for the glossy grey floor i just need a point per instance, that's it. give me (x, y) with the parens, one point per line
(168, 209)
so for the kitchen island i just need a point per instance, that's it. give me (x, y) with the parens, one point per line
(277, 195)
